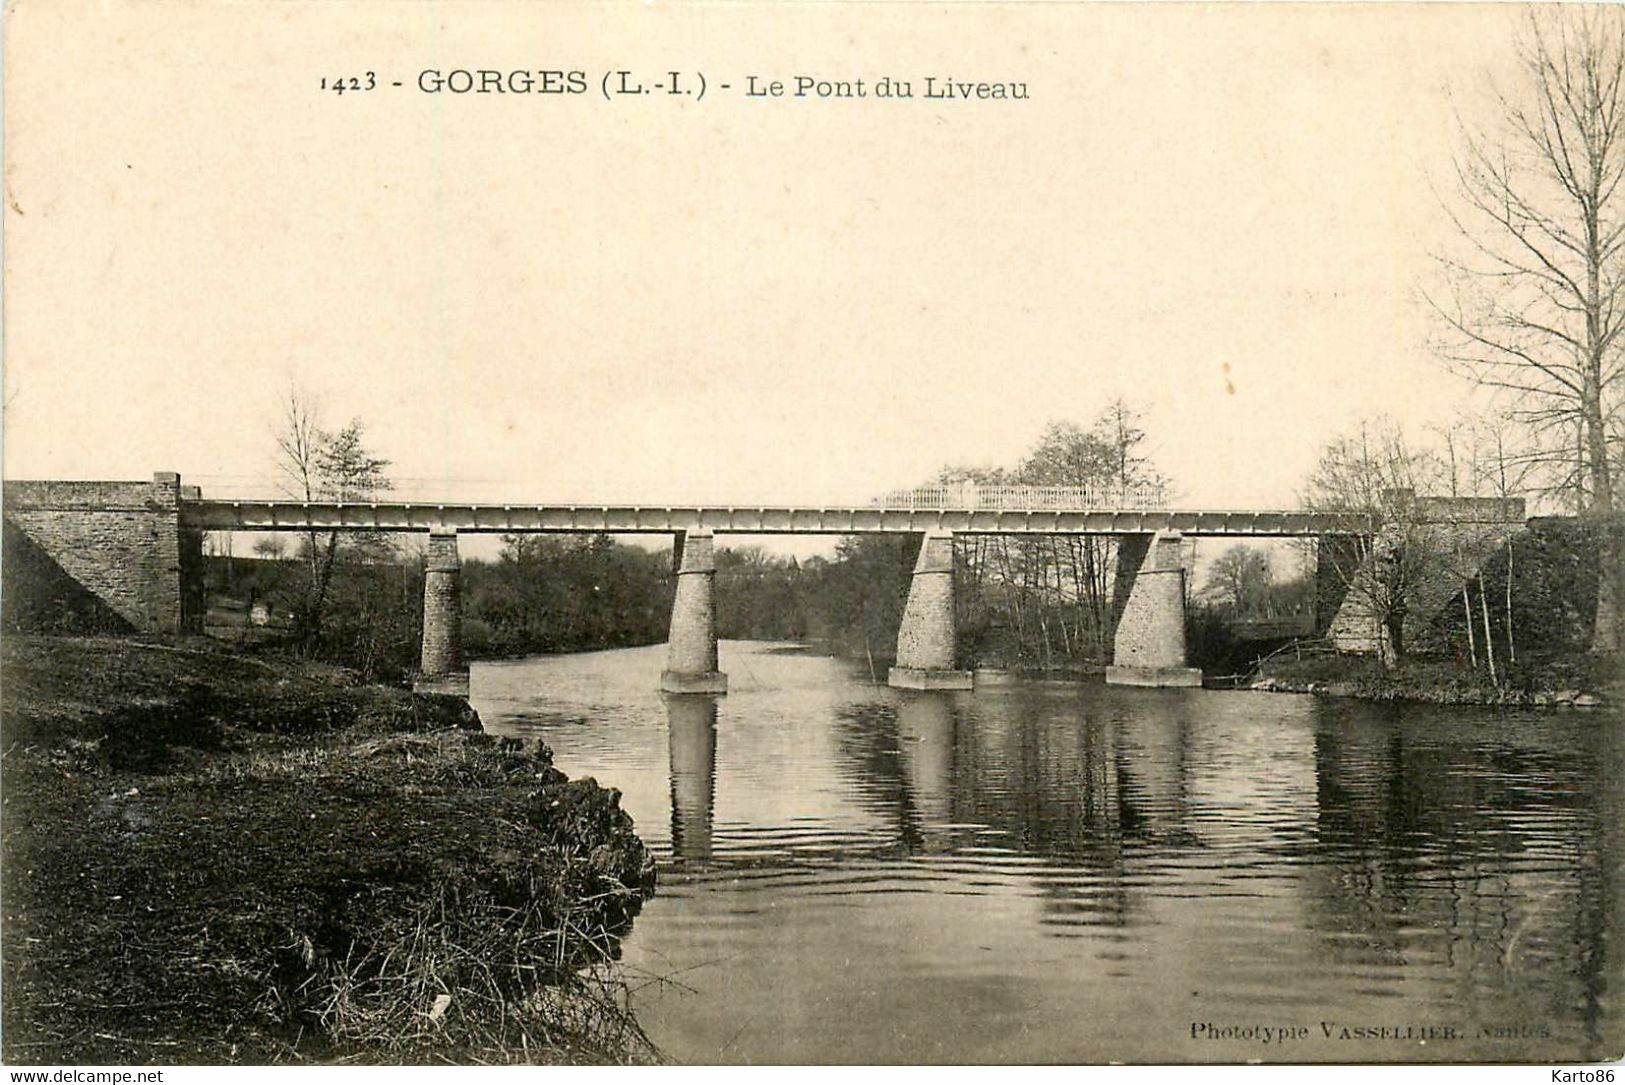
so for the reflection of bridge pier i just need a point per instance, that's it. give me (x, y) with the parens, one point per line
(1099, 799)
(691, 736)
(1153, 771)
(925, 750)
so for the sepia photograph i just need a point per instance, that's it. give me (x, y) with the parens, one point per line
(941, 533)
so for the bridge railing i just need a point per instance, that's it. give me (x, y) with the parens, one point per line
(972, 495)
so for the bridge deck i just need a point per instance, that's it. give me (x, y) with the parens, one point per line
(225, 515)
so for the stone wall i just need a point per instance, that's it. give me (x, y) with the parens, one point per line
(122, 542)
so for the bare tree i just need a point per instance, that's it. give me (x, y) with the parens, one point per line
(1109, 457)
(1478, 454)
(1533, 301)
(299, 438)
(1118, 428)
(320, 466)
(1050, 596)
(1376, 474)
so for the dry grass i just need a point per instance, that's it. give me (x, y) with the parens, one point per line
(381, 890)
(472, 980)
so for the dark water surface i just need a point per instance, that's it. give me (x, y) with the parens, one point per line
(1053, 872)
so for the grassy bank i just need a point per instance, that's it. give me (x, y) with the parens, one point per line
(1578, 681)
(212, 858)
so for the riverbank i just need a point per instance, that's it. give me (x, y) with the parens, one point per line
(1587, 683)
(215, 858)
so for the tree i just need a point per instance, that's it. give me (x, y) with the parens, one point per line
(1069, 455)
(1239, 581)
(345, 470)
(1376, 474)
(270, 548)
(1534, 297)
(562, 593)
(1108, 456)
(1118, 428)
(858, 601)
(322, 466)
(1049, 596)
(1018, 599)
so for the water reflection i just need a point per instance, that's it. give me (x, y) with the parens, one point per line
(925, 754)
(1491, 866)
(691, 730)
(1152, 768)
(866, 874)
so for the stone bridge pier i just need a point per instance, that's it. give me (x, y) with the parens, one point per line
(691, 650)
(441, 668)
(1148, 648)
(925, 640)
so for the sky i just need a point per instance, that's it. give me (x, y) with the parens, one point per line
(1222, 214)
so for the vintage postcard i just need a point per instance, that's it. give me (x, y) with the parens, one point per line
(793, 533)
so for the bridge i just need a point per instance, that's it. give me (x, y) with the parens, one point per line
(136, 549)
(985, 519)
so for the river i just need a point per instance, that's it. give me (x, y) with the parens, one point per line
(1062, 872)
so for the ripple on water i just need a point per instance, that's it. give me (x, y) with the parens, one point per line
(1058, 872)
